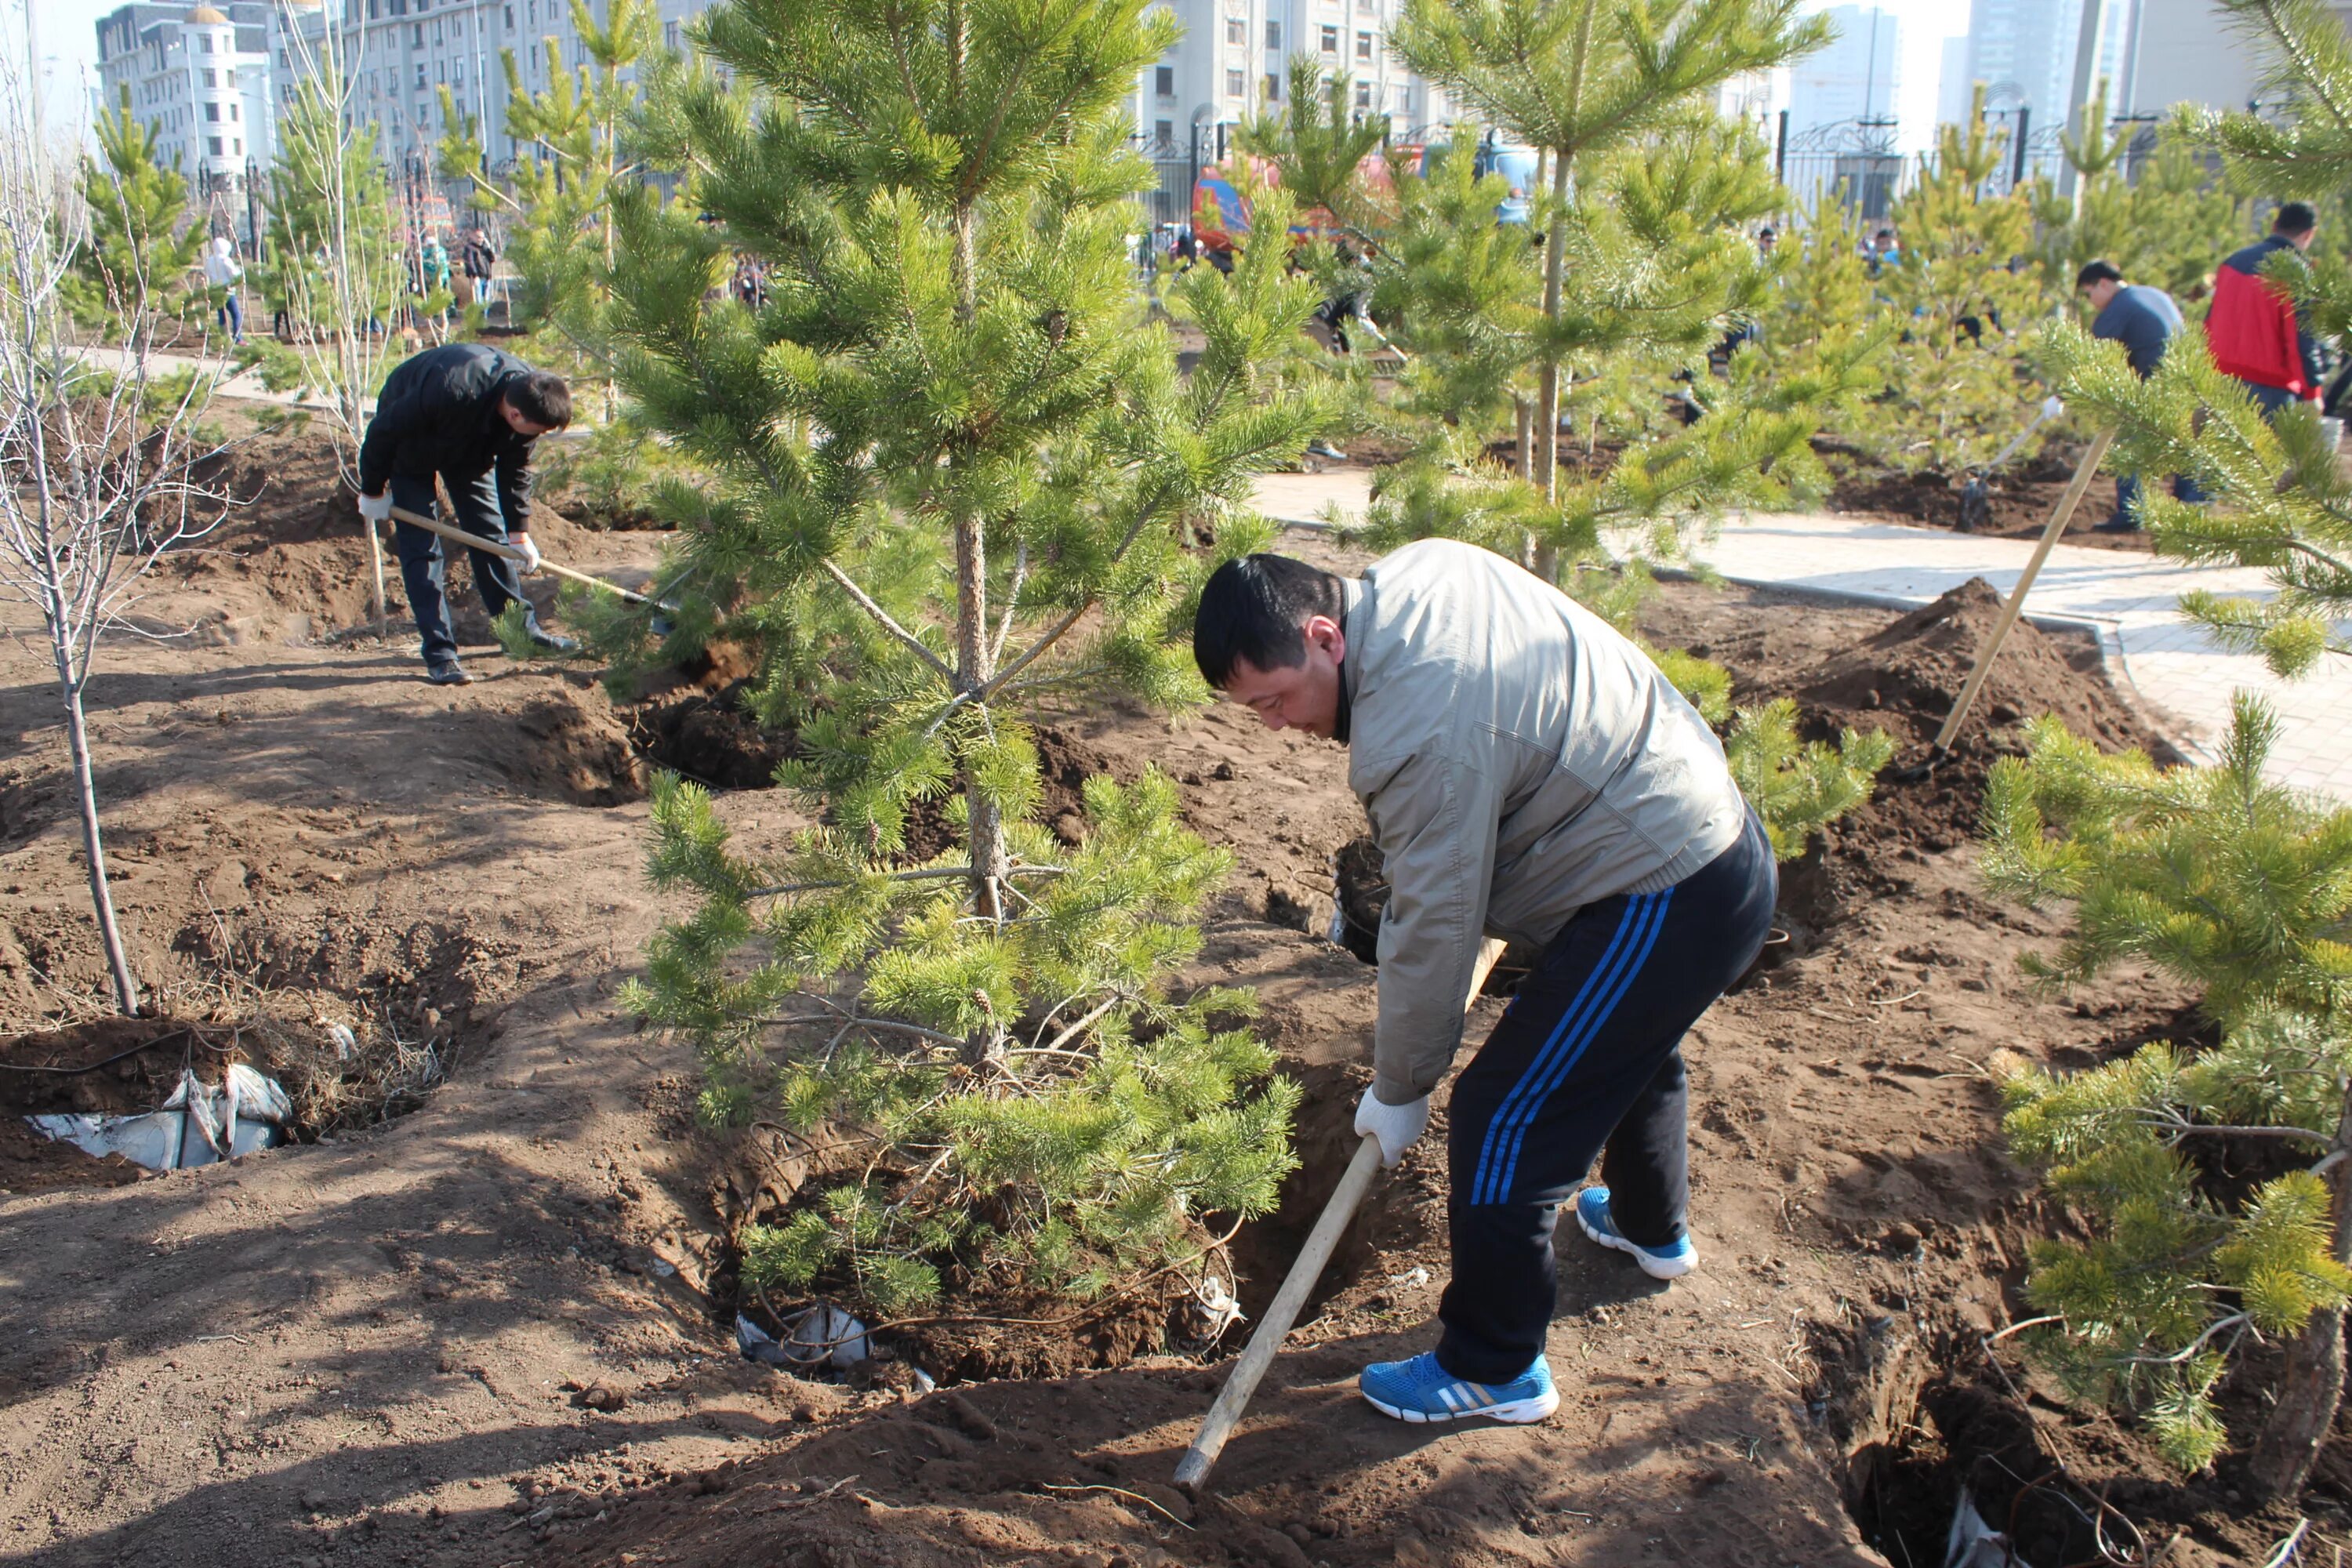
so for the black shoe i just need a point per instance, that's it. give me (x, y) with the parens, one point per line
(449, 674)
(2116, 525)
(540, 638)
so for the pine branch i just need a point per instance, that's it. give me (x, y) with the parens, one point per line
(866, 602)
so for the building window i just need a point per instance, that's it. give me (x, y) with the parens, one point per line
(420, 75)
(211, 111)
(216, 145)
(1163, 132)
(1274, 35)
(238, 146)
(1273, 87)
(212, 79)
(1163, 81)
(234, 112)
(1236, 30)
(1368, 7)
(509, 18)
(1330, 41)
(669, 37)
(1234, 84)
(418, 41)
(207, 39)
(1363, 95)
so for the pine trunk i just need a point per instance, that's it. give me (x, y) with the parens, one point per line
(2311, 1382)
(991, 863)
(110, 933)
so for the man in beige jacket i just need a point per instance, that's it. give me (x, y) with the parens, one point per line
(1531, 775)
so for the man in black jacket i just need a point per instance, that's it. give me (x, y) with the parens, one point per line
(467, 413)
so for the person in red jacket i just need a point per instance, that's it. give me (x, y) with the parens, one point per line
(2252, 328)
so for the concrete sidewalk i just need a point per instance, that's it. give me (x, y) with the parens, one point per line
(2181, 681)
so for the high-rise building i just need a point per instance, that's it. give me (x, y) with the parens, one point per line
(1233, 64)
(1855, 79)
(2181, 51)
(1955, 88)
(198, 79)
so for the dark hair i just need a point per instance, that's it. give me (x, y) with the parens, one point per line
(1254, 608)
(543, 398)
(2294, 217)
(2097, 272)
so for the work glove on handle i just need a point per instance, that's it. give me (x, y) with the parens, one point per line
(529, 565)
(377, 508)
(1398, 1127)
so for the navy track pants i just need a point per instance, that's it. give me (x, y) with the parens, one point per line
(423, 567)
(1587, 1060)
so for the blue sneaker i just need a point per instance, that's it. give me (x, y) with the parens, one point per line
(1658, 1262)
(1421, 1391)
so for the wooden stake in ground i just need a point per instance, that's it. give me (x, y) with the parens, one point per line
(2060, 516)
(1192, 1472)
(476, 541)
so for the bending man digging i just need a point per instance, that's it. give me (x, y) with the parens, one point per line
(1530, 774)
(469, 414)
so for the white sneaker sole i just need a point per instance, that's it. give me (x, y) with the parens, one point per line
(1655, 1268)
(1516, 1412)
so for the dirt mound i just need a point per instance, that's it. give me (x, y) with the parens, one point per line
(1912, 673)
(569, 744)
(709, 738)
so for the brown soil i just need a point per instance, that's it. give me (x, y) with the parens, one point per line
(498, 1329)
(2020, 500)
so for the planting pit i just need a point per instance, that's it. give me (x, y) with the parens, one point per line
(2019, 500)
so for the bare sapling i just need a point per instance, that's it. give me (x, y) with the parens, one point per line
(335, 267)
(97, 476)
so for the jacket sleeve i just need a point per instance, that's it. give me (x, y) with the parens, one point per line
(400, 414)
(1435, 819)
(514, 485)
(2306, 353)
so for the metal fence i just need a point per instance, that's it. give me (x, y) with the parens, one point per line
(1856, 160)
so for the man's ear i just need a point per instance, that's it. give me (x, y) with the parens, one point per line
(1323, 632)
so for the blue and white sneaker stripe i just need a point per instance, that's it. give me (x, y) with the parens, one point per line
(1421, 1391)
(1593, 1218)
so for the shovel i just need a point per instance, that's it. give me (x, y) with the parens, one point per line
(1192, 1472)
(2060, 516)
(476, 541)
(1976, 496)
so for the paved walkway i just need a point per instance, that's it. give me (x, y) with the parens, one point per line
(2181, 681)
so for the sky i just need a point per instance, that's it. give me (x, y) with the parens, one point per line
(68, 31)
(1925, 25)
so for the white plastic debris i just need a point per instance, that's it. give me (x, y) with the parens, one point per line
(1417, 1274)
(757, 1344)
(924, 1383)
(1217, 1305)
(1973, 1544)
(196, 1126)
(347, 1044)
(826, 1334)
(817, 1337)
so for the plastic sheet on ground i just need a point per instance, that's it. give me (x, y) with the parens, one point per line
(196, 1126)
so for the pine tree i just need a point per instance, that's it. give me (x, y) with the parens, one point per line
(2277, 499)
(1586, 81)
(2244, 889)
(951, 468)
(143, 244)
(1957, 388)
(560, 234)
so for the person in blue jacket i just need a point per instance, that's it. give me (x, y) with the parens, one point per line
(2145, 321)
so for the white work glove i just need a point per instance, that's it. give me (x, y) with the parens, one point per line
(377, 508)
(2052, 407)
(1398, 1127)
(529, 565)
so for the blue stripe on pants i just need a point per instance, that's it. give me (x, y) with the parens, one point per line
(1555, 1065)
(1517, 1104)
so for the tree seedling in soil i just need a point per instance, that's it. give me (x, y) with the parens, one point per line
(952, 470)
(139, 247)
(99, 464)
(2242, 888)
